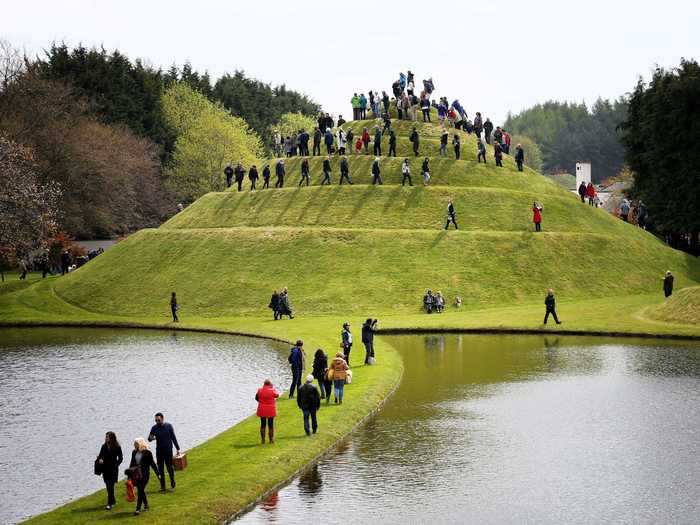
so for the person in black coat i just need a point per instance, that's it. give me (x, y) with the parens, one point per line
(368, 330)
(317, 142)
(668, 284)
(239, 173)
(309, 400)
(376, 172)
(550, 305)
(109, 459)
(519, 156)
(582, 191)
(392, 143)
(65, 262)
(253, 176)
(320, 369)
(451, 215)
(279, 171)
(266, 176)
(326, 171)
(304, 172)
(275, 305)
(228, 172)
(415, 139)
(141, 459)
(345, 170)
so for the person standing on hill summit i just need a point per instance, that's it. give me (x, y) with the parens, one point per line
(668, 284)
(550, 305)
(355, 102)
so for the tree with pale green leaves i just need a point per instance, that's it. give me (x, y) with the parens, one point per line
(208, 137)
(291, 123)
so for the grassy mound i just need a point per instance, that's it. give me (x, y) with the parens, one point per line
(682, 307)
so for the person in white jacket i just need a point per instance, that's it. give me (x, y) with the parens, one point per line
(406, 171)
(341, 141)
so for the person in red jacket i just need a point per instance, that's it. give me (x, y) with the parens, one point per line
(537, 216)
(267, 409)
(590, 193)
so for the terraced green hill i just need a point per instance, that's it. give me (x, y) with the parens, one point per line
(363, 248)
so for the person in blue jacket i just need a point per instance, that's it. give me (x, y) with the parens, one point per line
(363, 106)
(328, 139)
(164, 435)
(296, 360)
(459, 109)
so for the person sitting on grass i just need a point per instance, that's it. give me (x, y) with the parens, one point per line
(267, 409)
(309, 401)
(428, 301)
(458, 302)
(537, 216)
(550, 305)
(439, 302)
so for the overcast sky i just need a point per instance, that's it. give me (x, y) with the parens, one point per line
(494, 56)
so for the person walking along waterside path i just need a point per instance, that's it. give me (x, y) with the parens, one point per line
(164, 435)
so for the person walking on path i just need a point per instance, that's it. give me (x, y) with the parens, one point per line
(582, 190)
(279, 172)
(320, 372)
(316, 148)
(174, 307)
(443, 142)
(266, 177)
(425, 168)
(376, 173)
(392, 143)
(346, 341)
(109, 459)
(66, 260)
(365, 139)
(377, 141)
(590, 193)
(253, 176)
(275, 305)
(285, 306)
(415, 140)
(668, 284)
(326, 171)
(309, 400)
(267, 409)
(339, 373)
(624, 210)
(303, 139)
(456, 143)
(296, 360)
(164, 435)
(488, 128)
(537, 216)
(140, 470)
(451, 215)
(304, 172)
(341, 141)
(368, 329)
(481, 151)
(228, 173)
(406, 172)
(498, 154)
(550, 305)
(355, 103)
(328, 140)
(345, 170)
(519, 157)
(239, 174)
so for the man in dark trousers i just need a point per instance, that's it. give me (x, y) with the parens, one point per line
(668, 284)
(65, 262)
(253, 176)
(303, 139)
(582, 189)
(550, 304)
(519, 156)
(451, 216)
(239, 172)
(368, 330)
(279, 171)
(326, 171)
(392, 142)
(377, 141)
(415, 139)
(266, 176)
(309, 400)
(164, 435)
(488, 128)
(345, 170)
(376, 172)
(304, 172)
(296, 360)
(317, 142)
(228, 172)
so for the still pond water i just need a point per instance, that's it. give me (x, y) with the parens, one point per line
(504, 429)
(61, 389)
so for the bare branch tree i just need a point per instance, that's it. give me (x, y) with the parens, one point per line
(12, 63)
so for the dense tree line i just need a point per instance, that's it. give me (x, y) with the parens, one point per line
(660, 136)
(568, 133)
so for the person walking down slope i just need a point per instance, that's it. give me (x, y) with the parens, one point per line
(316, 148)
(668, 284)
(174, 307)
(164, 435)
(537, 216)
(296, 360)
(279, 172)
(368, 329)
(267, 409)
(451, 215)
(320, 372)
(376, 173)
(309, 401)
(328, 140)
(498, 154)
(519, 157)
(415, 140)
(392, 143)
(406, 172)
(377, 141)
(481, 151)
(590, 193)
(443, 142)
(339, 374)
(345, 171)
(304, 172)
(109, 459)
(275, 305)
(550, 305)
(228, 173)
(425, 168)
(139, 471)
(326, 171)
(582, 190)
(346, 342)
(456, 143)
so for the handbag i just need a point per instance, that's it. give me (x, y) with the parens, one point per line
(99, 467)
(134, 473)
(348, 377)
(180, 461)
(330, 374)
(130, 496)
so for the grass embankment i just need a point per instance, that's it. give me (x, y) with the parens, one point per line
(358, 251)
(682, 307)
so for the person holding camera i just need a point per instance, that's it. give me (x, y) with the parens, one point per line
(537, 216)
(368, 330)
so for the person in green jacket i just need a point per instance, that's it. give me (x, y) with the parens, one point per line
(355, 102)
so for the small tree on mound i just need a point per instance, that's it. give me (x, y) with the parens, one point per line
(208, 138)
(291, 123)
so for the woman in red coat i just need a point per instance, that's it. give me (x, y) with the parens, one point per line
(537, 216)
(267, 409)
(590, 193)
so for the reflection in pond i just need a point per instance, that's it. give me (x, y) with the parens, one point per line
(70, 386)
(519, 429)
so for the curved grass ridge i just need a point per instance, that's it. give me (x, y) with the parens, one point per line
(682, 307)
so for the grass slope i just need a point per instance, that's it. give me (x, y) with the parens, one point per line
(682, 307)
